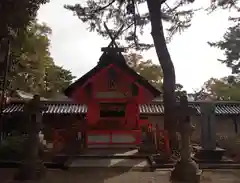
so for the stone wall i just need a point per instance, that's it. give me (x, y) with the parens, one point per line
(224, 124)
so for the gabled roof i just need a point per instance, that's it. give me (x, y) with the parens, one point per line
(105, 60)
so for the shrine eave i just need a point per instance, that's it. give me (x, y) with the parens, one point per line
(101, 65)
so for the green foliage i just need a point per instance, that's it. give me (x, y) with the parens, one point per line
(127, 12)
(220, 89)
(33, 69)
(230, 42)
(227, 88)
(230, 46)
(223, 4)
(13, 147)
(150, 71)
(16, 15)
(147, 69)
(119, 12)
(179, 91)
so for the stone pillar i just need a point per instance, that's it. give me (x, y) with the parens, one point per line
(208, 150)
(208, 126)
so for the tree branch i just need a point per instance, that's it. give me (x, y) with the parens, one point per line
(130, 25)
(103, 7)
(135, 26)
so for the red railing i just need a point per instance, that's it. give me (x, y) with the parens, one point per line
(157, 135)
(58, 140)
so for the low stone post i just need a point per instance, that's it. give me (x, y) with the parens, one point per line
(186, 170)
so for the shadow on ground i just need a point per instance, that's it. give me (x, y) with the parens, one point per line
(118, 176)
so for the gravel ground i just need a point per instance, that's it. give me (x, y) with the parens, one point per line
(123, 176)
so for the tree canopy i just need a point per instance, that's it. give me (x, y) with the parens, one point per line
(16, 15)
(128, 13)
(33, 69)
(219, 89)
(227, 88)
(230, 45)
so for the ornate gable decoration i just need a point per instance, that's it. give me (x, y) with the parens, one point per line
(112, 79)
(113, 47)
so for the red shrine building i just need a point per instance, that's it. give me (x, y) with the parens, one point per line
(108, 106)
(112, 92)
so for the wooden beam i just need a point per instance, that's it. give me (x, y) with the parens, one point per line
(113, 38)
(109, 49)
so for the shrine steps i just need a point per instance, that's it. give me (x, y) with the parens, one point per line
(113, 163)
(111, 153)
(125, 159)
(96, 154)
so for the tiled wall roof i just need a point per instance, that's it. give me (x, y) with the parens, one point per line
(155, 108)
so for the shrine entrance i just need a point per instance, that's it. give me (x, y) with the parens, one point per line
(112, 129)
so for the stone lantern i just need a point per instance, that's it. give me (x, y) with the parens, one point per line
(186, 170)
(32, 167)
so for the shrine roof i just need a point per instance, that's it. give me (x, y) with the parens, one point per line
(154, 108)
(105, 60)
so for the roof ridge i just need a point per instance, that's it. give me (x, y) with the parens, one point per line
(152, 102)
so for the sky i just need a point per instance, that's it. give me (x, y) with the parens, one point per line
(78, 50)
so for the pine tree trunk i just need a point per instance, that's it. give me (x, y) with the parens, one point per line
(169, 82)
